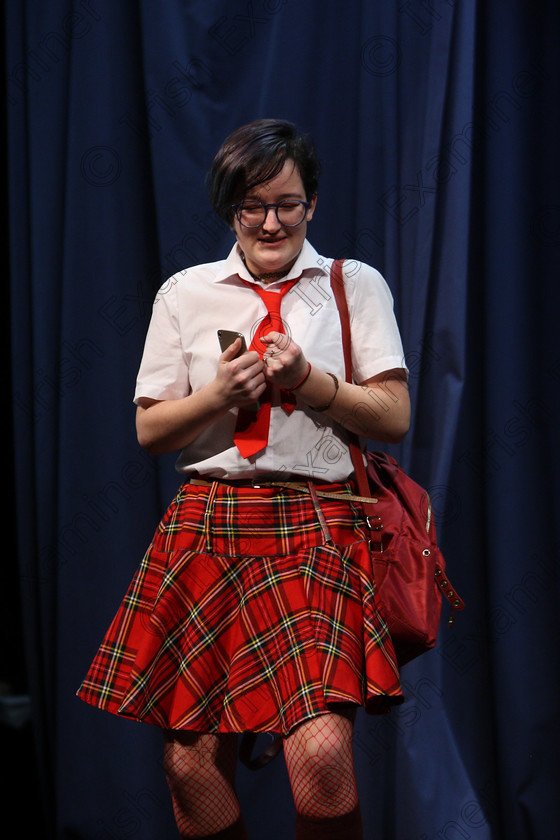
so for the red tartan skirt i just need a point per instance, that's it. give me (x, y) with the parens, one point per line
(244, 616)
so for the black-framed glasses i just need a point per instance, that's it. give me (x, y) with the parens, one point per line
(252, 214)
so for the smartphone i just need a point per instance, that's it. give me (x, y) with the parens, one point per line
(227, 337)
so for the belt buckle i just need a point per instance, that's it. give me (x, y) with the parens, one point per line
(263, 481)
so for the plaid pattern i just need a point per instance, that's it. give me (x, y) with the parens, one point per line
(241, 617)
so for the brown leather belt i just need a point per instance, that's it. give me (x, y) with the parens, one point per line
(301, 486)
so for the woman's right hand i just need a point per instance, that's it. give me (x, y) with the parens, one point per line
(240, 380)
(168, 425)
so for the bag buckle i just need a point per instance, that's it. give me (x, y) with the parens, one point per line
(374, 523)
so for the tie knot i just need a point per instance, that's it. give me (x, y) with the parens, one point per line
(273, 319)
(272, 301)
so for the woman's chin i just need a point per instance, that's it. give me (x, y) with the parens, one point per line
(272, 259)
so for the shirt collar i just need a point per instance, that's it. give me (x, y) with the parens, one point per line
(308, 263)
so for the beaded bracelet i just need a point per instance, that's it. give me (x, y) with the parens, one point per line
(302, 380)
(325, 407)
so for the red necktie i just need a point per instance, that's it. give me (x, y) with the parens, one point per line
(251, 431)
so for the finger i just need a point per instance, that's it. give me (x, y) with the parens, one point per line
(251, 357)
(231, 352)
(254, 390)
(251, 364)
(247, 360)
(279, 340)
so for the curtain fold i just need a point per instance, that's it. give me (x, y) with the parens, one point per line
(437, 124)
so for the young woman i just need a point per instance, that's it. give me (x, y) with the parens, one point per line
(254, 609)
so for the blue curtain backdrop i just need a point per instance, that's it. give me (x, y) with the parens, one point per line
(438, 126)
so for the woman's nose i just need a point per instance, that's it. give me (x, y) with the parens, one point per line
(271, 219)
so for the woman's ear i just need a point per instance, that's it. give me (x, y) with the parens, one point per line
(311, 208)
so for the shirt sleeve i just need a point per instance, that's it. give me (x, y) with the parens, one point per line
(376, 340)
(164, 371)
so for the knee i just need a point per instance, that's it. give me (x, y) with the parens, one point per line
(322, 771)
(329, 771)
(329, 784)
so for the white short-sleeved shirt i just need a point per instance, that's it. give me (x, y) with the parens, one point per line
(182, 350)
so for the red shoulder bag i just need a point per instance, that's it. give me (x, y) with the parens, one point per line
(408, 566)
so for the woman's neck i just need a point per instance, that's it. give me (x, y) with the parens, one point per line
(268, 276)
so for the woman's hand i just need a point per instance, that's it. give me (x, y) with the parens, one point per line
(378, 408)
(240, 380)
(168, 425)
(284, 363)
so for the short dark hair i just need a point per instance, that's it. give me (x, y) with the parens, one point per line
(256, 153)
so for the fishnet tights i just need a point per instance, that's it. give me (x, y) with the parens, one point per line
(320, 765)
(200, 770)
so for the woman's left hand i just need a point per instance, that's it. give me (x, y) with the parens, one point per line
(284, 362)
(378, 408)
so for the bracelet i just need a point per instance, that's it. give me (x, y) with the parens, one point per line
(301, 381)
(325, 407)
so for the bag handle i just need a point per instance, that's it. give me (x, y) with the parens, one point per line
(337, 285)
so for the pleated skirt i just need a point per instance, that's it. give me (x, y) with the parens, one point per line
(249, 612)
